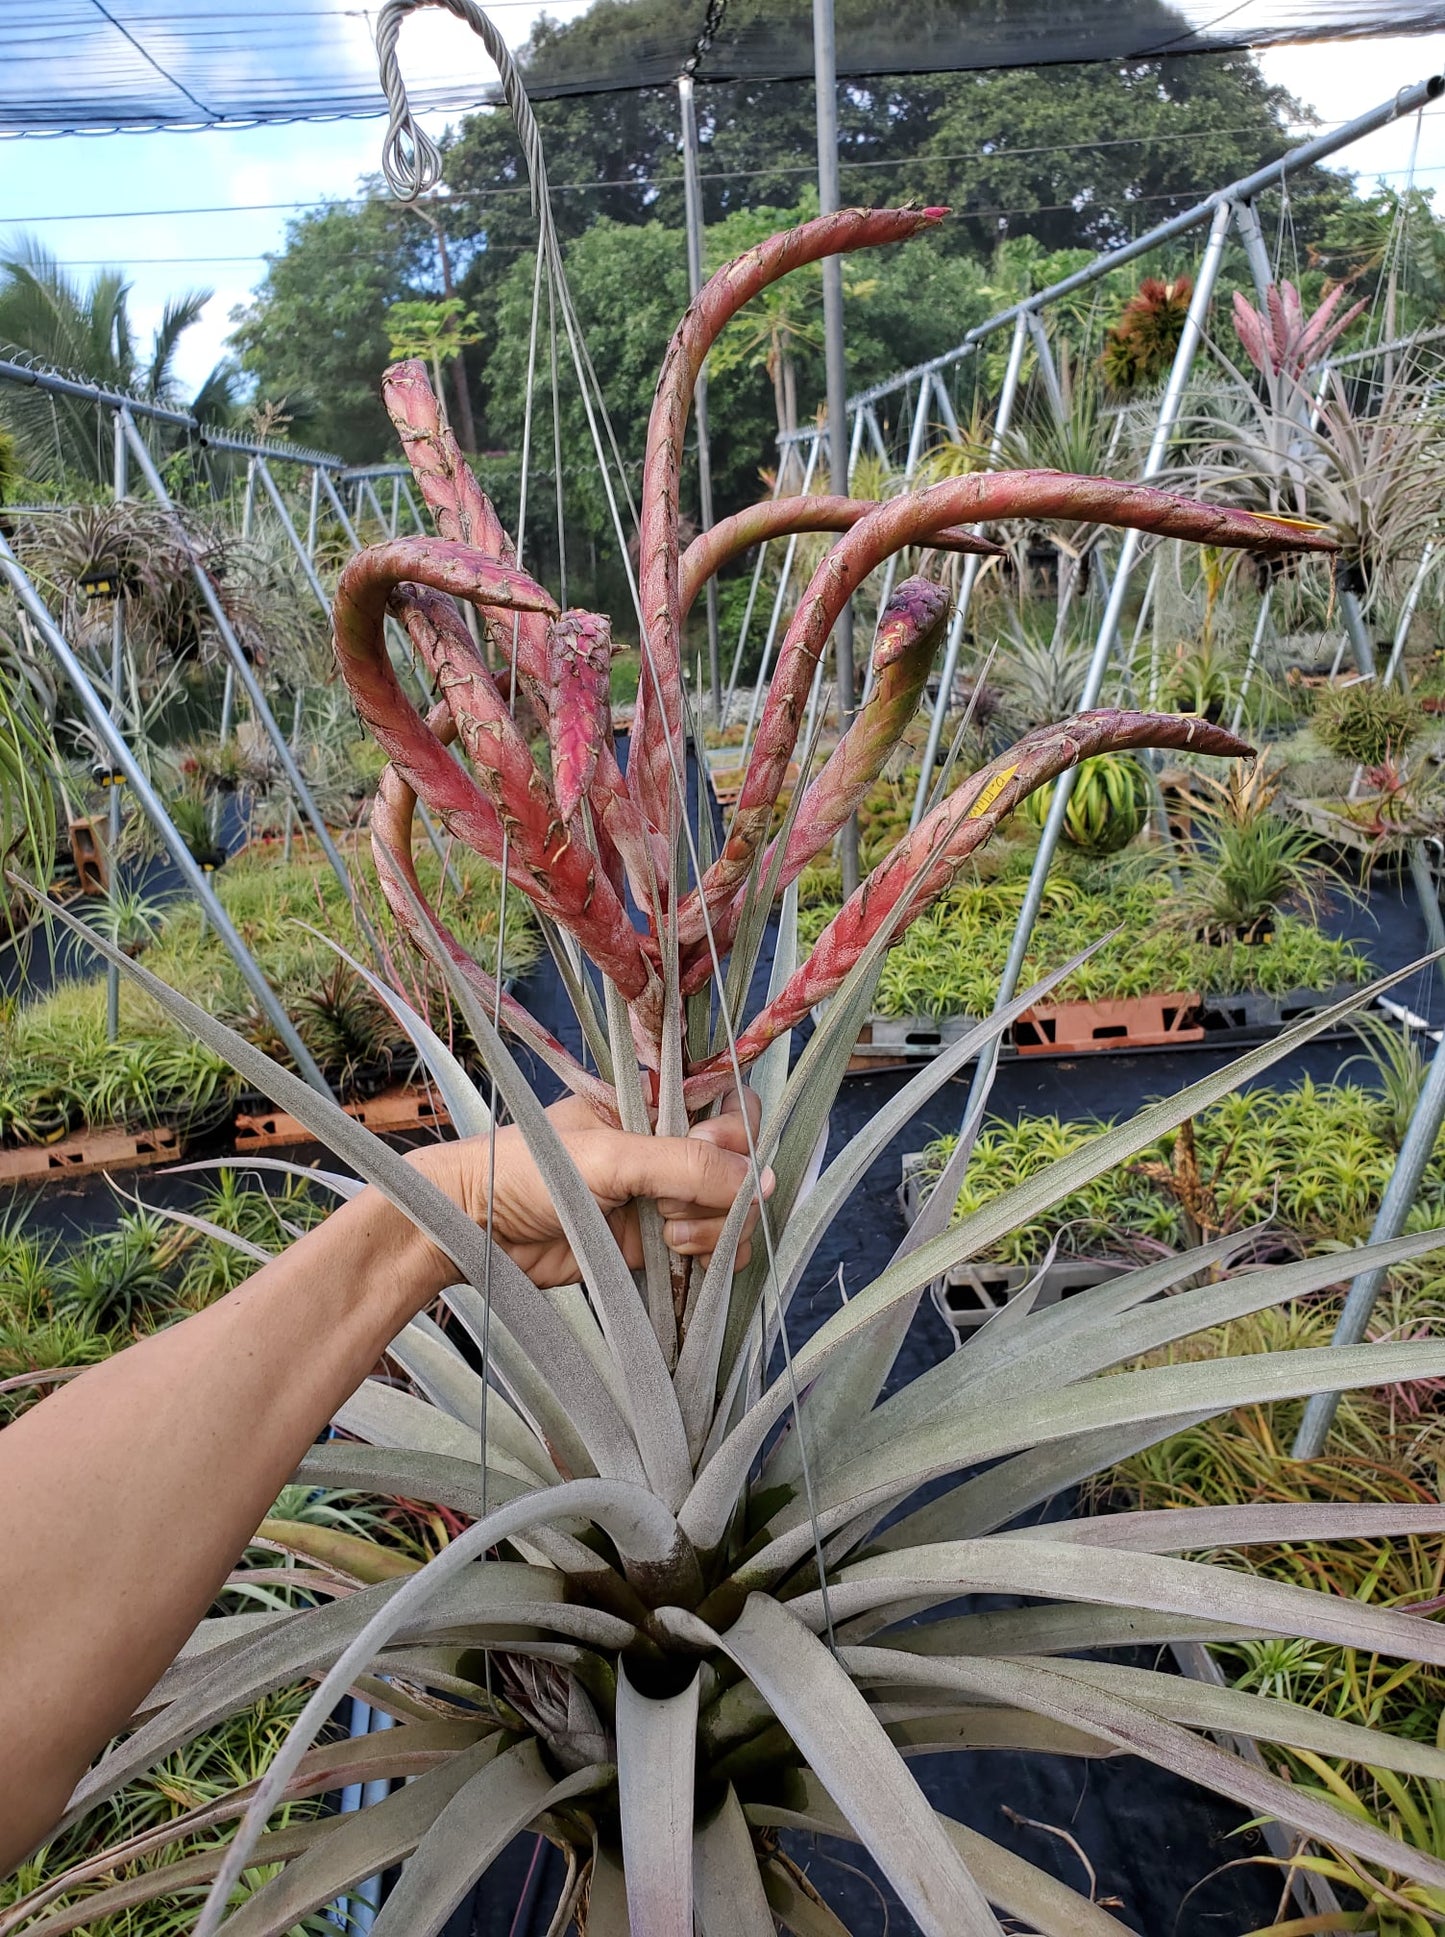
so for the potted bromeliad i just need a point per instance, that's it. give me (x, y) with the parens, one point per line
(674, 1625)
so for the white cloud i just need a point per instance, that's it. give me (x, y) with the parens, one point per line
(286, 163)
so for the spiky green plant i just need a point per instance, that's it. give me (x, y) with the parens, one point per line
(1107, 809)
(669, 1629)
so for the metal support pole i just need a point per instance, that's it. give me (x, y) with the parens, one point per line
(248, 508)
(778, 602)
(343, 516)
(1002, 418)
(412, 511)
(395, 505)
(945, 407)
(313, 510)
(692, 202)
(1048, 370)
(910, 468)
(1256, 646)
(1395, 1207)
(1108, 629)
(111, 738)
(1246, 223)
(825, 77)
(113, 818)
(313, 577)
(369, 490)
(246, 676)
(1407, 612)
(1353, 614)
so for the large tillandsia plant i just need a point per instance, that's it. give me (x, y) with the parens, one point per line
(676, 1623)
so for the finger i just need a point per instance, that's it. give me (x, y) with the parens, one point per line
(694, 1237)
(736, 1128)
(691, 1172)
(571, 1113)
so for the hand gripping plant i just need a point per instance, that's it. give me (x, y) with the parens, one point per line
(683, 1616)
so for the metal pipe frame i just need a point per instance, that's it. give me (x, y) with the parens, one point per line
(195, 877)
(1246, 189)
(1169, 403)
(1395, 1206)
(778, 603)
(1003, 416)
(692, 209)
(245, 674)
(113, 813)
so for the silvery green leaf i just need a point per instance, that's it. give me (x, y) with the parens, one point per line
(469, 1833)
(359, 1845)
(656, 1755)
(204, 1690)
(1000, 1495)
(638, 1523)
(531, 1320)
(1080, 1352)
(770, 1072)
(469, 1114)
(1017, 1887)
(926, 1576)
(844, 1745)
(1258, 1718)
(1058, 1627)
(332, 1180)
(915, 1455)
(1184, 1530)
(1052, 1691)
(727, 1889)
(710, 1505)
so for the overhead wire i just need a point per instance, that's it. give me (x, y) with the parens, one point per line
(457, 195)
(408, 157)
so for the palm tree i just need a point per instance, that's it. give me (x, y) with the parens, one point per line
(48, 318)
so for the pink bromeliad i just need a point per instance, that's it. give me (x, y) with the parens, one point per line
(576, 839)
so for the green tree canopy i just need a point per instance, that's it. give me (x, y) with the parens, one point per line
(46, 314)
(315, 333)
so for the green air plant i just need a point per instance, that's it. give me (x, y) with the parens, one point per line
(674, 1623)
(1366, 722)
(1108, 808)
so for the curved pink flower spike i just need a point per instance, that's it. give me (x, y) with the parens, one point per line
(650, 768)
(462, 510)
(929, 860)
(392, 815)
(561, 874)
(975, 499)
(781, 518)
(908, 636)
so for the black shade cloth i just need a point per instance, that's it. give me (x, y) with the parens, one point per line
(100, 65)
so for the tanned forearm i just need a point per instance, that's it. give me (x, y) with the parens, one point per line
(198, 1428)
(127, 1496)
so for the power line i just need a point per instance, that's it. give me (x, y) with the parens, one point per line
(654, 181)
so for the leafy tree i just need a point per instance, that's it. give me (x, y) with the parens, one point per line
(437, 332)
(47, 315)
(315, 332)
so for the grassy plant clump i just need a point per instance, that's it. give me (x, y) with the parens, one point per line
(1367, 723)
(1312, 1161)
(1108, 805)
(60, 1073)
(950, 960)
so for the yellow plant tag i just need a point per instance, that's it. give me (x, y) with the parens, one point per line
(990, 793)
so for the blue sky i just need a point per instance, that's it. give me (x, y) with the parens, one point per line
(98, 183)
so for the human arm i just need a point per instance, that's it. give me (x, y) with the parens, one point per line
(127, 1495)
